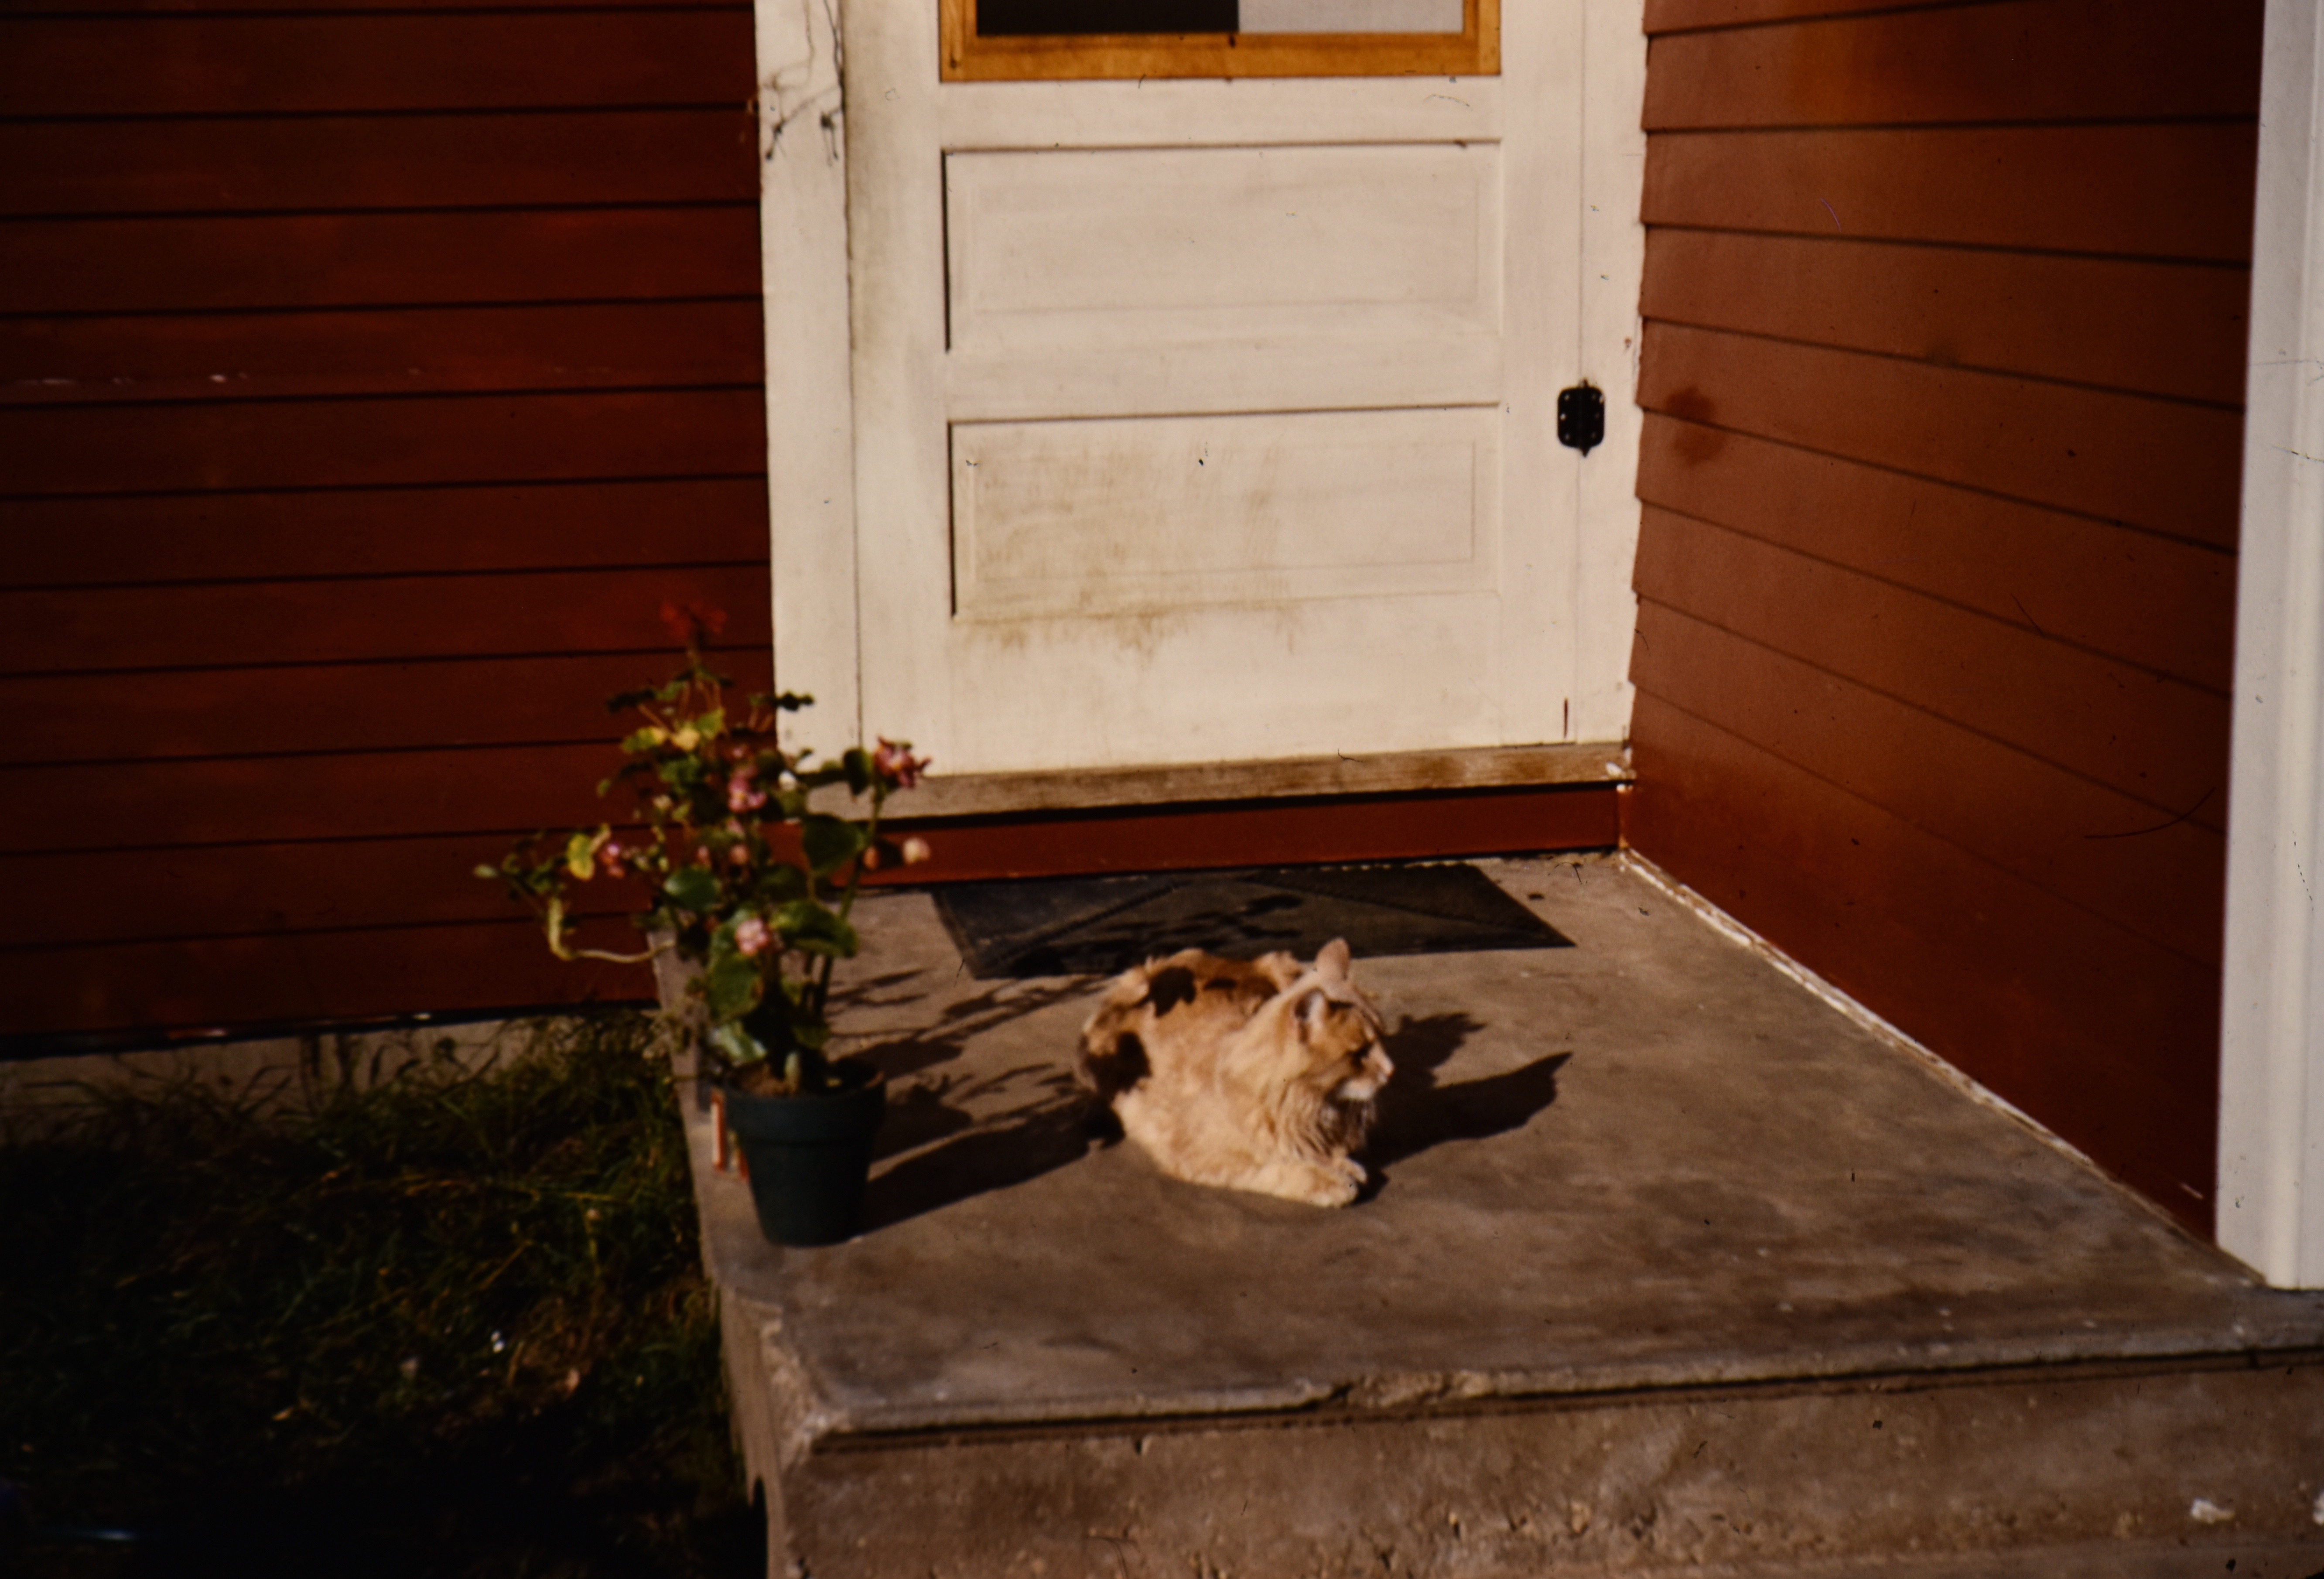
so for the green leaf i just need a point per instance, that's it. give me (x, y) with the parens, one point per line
(830, 842)
(778, 881)
(622, 701)
(860, 773)
(814, 929)
(488, 872)
(740, 1047)
(643, 741)
(693, 887)
(731, 987)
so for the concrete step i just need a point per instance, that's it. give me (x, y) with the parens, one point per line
(1671, 1265)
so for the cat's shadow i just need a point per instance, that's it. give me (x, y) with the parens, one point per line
(1417, 1113)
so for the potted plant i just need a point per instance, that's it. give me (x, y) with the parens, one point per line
(751, 891)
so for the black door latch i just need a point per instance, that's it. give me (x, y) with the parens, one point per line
(1581, 416)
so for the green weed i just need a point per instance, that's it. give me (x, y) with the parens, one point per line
(455, 1322)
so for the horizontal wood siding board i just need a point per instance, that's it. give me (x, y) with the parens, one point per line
(382, 442)
(435, 350)
(2172, 190)
(1677, 15)
(239, 623)
(397, 531)
(211, 262)
(2041, 315)
(277, 891)
(2168, 465)
(304, 976)
(2110, 1040)
(2165, 605)
(263, 800)
(162, 8)
(388, 706)
(2029, 60)
(341, 163)
(2158, 741)
(354, 61)
(2055, 830)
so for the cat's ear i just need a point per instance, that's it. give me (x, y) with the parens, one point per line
(1311, 1012)
(1332, 961)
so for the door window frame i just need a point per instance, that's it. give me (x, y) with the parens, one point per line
(1474, 52)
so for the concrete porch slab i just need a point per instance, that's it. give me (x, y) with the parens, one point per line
(1669, 1261)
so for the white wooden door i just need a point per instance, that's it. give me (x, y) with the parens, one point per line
(1213, 420)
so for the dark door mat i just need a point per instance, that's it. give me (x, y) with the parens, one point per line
(1097, 925)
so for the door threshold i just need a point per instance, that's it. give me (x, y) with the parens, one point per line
(1388, 774)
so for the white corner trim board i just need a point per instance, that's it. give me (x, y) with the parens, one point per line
(2271, 1181)
(810, 419)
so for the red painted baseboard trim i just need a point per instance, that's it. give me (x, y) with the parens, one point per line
(1268, 833)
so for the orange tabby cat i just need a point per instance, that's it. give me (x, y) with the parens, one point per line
(1251, 1075)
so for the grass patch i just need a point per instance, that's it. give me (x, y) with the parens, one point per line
(455, 1322)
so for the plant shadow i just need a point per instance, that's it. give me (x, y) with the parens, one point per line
(1046, 1130)
(1417, 1113)
(954, 1134)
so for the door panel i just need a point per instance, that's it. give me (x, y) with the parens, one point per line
(1236, 448)
(1103, 249)
(1207, 511)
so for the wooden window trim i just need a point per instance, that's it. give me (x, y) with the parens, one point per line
(1474, 52)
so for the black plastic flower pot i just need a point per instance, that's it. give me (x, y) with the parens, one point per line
(808, 1155)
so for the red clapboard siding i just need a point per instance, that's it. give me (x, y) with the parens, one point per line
(271, 354)
(319, 708)
(348, 621)
(394, 161)
(2105, 1039)
(2033, 60)
(377, 374)
(2057, 830)
(2159, 741)
(2181, 190)
(253, 889)
(355, 443)
(2165, 605)
(2038, 314)
(408, 61)
(2170, 466)
(1943, 356)
(405, 531)
(357, 260)
(299, 977)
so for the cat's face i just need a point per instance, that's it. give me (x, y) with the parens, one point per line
(1339, 1030)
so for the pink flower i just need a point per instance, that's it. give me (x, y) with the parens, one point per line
(915, 850)
(895, 765)
(750, 936)
(740, 854)
(613, 856)
(742, 795)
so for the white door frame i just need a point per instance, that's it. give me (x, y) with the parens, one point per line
(810, 410)
(2271, 1177)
